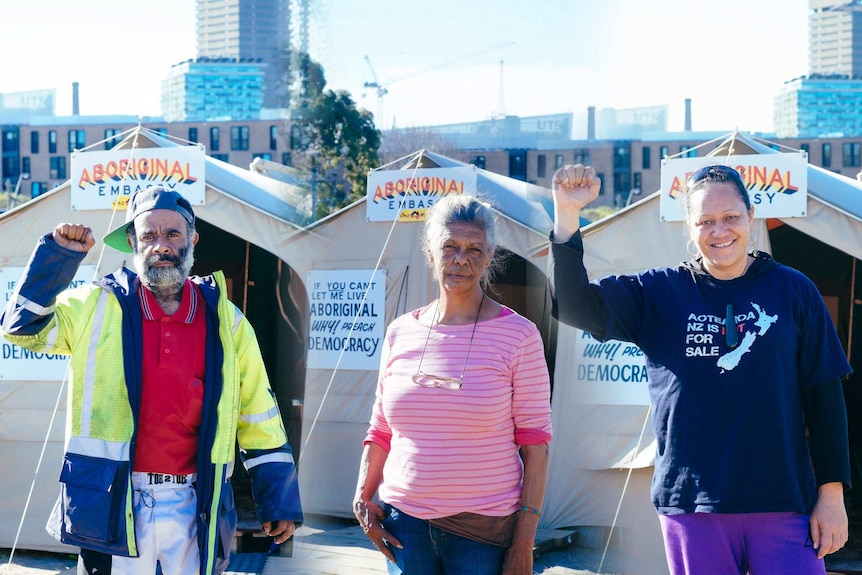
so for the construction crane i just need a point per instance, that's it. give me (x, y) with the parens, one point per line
(382, 88)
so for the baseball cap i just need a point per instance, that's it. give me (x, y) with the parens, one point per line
(152, 198)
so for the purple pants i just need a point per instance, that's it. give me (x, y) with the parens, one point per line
(730, 543)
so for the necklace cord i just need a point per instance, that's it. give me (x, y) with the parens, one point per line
(469, 345)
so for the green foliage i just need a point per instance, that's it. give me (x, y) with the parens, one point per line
(336, 141)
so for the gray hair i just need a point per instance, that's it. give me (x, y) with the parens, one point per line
(461, 208)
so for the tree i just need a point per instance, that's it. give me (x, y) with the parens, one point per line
(333, 140)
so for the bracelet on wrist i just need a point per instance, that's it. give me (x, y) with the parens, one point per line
(532, 510)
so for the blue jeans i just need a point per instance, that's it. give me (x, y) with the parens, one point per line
(429, 550)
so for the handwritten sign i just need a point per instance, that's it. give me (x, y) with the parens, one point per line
(17, 363)
(347, 318)
(777, 184)
(610, 372)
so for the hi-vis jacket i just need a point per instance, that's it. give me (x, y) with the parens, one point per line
(100, 326)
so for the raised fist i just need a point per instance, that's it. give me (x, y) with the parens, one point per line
(75, 237)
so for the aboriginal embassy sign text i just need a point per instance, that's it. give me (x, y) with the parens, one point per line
(406, 195)
(105, 180)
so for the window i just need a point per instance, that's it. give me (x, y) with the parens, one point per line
(25, 165)
(162, 131)
(193, 135)
(262, 156)
(601, 177)
(239, 138)
(478, 161)
(58, 168)
(76, 140)
(687, 152)
(558, 162)
(9, 167)
(34, 142)
(37, 189)
(298, 138)
(112, 138)
(636, 183)
(518, 165)
(541, 166)
(10, 139)
(662, 152)
(827, 155)
(645, 158)
(582, 156)
(286, 159)
(214, 139)
(222, 157)
(622, 157)
(805, 148)
(52, 141)
(273, 137)
(851, 154)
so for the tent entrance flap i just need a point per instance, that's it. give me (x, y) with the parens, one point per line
(838, 277)
(272, 296)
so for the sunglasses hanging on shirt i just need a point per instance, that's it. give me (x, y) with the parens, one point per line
(731, 335)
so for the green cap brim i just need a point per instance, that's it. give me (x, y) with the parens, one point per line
(118, 239)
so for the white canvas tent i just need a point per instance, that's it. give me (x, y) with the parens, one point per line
(595, 444)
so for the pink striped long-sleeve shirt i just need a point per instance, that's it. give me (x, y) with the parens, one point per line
(454, 451)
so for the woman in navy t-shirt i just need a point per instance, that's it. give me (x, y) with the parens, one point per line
(742, 357)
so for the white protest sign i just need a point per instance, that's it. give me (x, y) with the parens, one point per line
(406, 195)
(777, 184)
(347, 318)
(104, 180)
(609, 373)
(17, 363)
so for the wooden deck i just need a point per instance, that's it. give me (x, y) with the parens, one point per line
(344, 550)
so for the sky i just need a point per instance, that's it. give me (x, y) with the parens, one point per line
(445, 61)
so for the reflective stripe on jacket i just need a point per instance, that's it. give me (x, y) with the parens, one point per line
(100, 327)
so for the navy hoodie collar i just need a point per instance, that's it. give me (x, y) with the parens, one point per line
(762, 262)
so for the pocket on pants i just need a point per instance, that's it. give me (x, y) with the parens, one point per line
(92, 494)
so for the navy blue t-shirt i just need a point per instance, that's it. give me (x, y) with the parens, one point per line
(727, 415)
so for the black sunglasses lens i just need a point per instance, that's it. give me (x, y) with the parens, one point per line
(716, 173)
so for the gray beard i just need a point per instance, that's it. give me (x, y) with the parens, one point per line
(165, 282)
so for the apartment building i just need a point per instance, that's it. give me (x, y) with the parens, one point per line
(36, 157)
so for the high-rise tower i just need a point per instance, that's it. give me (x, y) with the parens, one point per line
(246, 30)
(835, 37)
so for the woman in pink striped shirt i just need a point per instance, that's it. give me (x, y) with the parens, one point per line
(457, 448)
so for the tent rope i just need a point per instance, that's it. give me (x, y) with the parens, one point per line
(29, 498)
(38, 466)
(377, 265)
(697, 147)
(625, 488)
(771, 143)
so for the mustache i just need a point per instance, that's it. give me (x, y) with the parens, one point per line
(157, 258)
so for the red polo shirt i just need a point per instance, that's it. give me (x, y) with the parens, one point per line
(173, 388)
